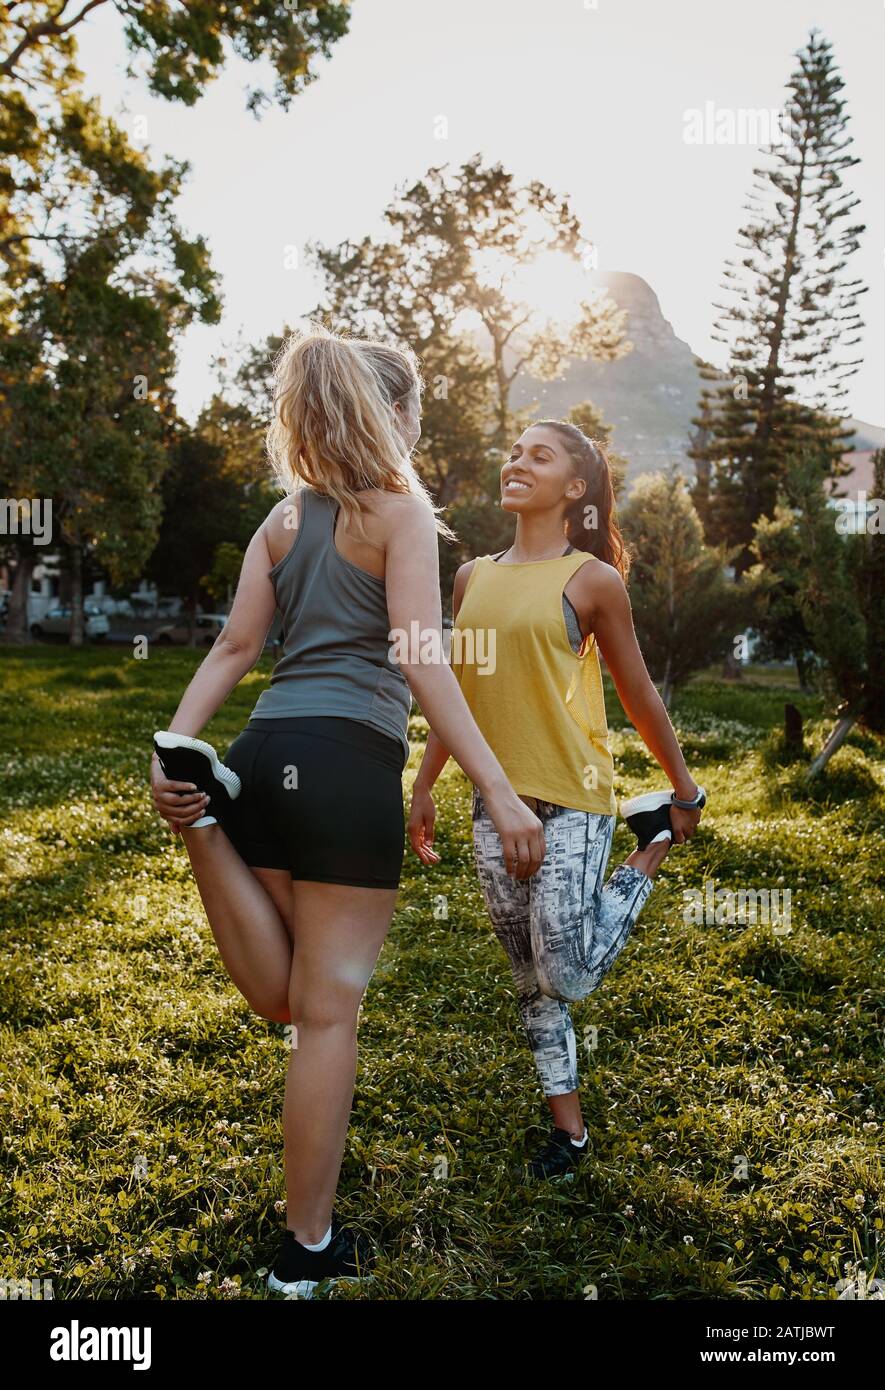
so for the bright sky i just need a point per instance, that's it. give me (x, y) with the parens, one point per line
(589, 100)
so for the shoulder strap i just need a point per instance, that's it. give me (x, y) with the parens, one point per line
(497, 557)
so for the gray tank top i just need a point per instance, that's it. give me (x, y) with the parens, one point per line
(335, 650)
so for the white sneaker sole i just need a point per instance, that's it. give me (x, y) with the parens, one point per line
(225, 775)
(649, 801)
(306, 1288)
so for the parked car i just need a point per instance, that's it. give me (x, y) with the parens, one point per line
(56, 622)
(206, 628)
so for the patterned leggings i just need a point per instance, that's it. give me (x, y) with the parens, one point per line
(562, 929)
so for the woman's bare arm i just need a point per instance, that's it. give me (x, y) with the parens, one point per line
(412, 577)
(605, 604)
(234, 652)
(237, 648)
(435, 754)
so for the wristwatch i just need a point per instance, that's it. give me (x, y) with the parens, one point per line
(695, 805)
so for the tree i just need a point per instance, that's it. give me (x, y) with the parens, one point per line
(86, 344)
(181, 48)
(790, 319)
(778, 571)
(205, 506)
(221, 580)
(841, 602)
(685, 612)
(81, 215)
(456, 242)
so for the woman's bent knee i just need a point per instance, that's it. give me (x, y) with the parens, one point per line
(274, 1010)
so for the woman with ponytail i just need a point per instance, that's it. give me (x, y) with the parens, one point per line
(552, 601)
(296, 838)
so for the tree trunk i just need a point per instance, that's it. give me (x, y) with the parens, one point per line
(833, 744)
(17, 629)
(793, 729)
(77, 624)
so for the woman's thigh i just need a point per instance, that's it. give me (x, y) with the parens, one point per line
(339, 933)
(572, 875)
(278, 885)
(506, 898)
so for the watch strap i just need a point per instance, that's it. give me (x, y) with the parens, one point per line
(695, 805)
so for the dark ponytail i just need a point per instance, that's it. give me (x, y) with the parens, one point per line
(596, 530)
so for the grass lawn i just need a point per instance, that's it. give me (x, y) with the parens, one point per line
(732, 1076)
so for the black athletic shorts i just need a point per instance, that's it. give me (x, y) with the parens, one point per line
(321, 797)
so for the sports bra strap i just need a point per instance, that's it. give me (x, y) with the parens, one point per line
(568, 550)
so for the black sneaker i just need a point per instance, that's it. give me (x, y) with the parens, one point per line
(185, 759)
(648, 817)
(559, 1157)
(297, 1272)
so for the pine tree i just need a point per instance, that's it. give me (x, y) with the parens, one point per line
(790, 320)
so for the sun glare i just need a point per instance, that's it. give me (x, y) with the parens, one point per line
(551, 286)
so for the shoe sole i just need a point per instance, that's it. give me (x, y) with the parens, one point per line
(306, 1288)
(525, 1177)
(225, 775)
(649, 801)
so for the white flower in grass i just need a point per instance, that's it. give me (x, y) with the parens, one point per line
(688, 1240)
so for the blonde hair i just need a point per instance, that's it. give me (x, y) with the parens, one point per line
(334, 425)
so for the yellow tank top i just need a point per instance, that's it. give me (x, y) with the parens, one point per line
(539, 705)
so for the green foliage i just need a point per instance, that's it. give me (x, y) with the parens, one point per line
(183, 48)
(206, 509)
(830, 595)
(99, 276)
(778, 573)
(128, 1051)
(685, 611)
(824, 590)
(226, 565)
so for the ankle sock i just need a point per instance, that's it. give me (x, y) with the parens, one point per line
(322, 1245)
(579, 1143)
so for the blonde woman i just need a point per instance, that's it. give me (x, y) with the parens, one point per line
(296, 839)
(553, 600)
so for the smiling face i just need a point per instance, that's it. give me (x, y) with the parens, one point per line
(539, 474)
